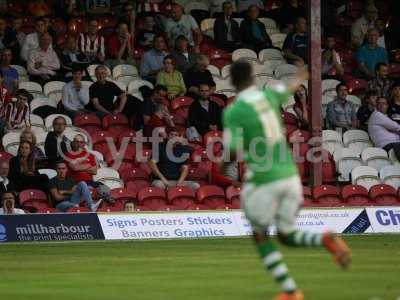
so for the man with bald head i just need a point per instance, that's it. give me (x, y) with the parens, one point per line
(5, 183)
(43, 61)
(182, 24)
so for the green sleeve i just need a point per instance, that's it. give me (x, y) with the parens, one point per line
(233, 129)
(280, 94)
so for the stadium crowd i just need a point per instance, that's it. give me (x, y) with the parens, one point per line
(74, 73)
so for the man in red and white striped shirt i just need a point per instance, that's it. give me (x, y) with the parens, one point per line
(16, 114)
(92, 43)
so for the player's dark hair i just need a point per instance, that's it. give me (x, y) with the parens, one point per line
(241, 74)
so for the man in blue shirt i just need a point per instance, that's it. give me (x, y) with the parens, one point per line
(296, 44)
(152, 61)
(10, 74)
(369, 55)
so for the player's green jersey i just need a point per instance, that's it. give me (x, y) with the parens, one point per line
(253, 126)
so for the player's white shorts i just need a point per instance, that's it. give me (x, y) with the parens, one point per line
(276, 202)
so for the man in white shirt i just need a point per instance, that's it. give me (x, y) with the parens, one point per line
(75, 95)
(8, 200)
(43, 61)
(186, 25)
(32, 40)
(361, 26)
(384, 132)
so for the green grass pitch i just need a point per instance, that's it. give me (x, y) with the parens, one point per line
(225, 269)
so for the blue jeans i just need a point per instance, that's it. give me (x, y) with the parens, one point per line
(81, 191)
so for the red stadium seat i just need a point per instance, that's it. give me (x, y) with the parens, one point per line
(304, 171)
(211, 135)
(99, 141)
(198, 207)
(151, 197)
(394, 70)
(126, 158)
(118, 121)
(218, 101)
(355, 195)
(357, 86)
(79, 210)
(328, 168)
(138, 54)
(133, 174)
(300, 136)
(326, 196)
(77, 25)
(15, 7)
(211, 196)
(384, 195)
(165, 208)
(181, 197)
(47, 210)
(123, 195)
(127, 133)
(307, 195)
(181, 105)
(233, 197)
(199, 173)
(35, 199)
(137, 185)
(88, 122)
(5, 156)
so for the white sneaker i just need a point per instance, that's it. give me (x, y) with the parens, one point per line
(96, 205)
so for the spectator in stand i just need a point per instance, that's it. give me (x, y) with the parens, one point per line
(244, 5)
(102, 94)
(227, 30)
(150, 6)
(288, 13)
(16, 31)
(128, 17)
(28, 136)
(360, 27)
(10, 74)
(183, 57)
(186, 25)
(71, 56)
(384, 132)
(295, 46)
(129, 206)
(367, 108)
(229, 173)
(7, 38)
(380, 25)
(172, 171)
(198, 74)
(331, 63)
(145, 37)
(56, 142)
(254, 34)
(23, 170)
(370, 54)
(43, 62)
(204, 114)
(155, 112)
(340, 112)
(5, 183)
(217, 7)
(17, 113)
(152, 61)
(82, 165)
(38, 8)
(120, 47)
(92, 43)
(5, 95)
(67, 9)
(381, 83)
(9, 200)
(171, 79)
(394, 107)
(50, 30)
(67, 193)
(98, 7)
(75, 95)
(301, 107)
(32, 40)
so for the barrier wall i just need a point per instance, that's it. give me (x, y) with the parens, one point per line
(183, 225)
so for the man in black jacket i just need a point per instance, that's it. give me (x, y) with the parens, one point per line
(5, 183)
(204, 115)
(253, 31)
(56, 142)
(226, 30)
